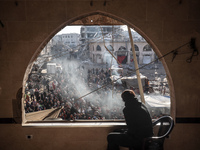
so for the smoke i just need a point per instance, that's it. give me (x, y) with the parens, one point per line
(111, 62)
(108, 98)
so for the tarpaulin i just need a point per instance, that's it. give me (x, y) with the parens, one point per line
(122, 59)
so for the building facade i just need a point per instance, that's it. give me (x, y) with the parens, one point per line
(69, 39)
(99, 39)
(91, 32)
(122, 51)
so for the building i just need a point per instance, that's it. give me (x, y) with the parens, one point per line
(69, 39)
(95, 38)
(122, 51)
(94, 33)
(91, 32)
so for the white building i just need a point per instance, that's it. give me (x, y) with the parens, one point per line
(91, 32)
(121, 50)
(117, 41)
(69, 39)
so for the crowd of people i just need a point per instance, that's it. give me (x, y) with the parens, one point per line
(65, 88)
(99, 76)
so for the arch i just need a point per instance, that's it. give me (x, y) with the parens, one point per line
(86, 19)
(147, 48)
(122, 48)
(136, 48)
(98, 48)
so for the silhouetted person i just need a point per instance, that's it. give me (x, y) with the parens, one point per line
(37, 94)
(138, 122)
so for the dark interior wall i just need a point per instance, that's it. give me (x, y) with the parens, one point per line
(25, 27)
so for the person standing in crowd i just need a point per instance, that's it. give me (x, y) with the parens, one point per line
(36, 94)
(139, 124)
(32, 93)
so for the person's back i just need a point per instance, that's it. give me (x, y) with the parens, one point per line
(138, 122)
(138, 119)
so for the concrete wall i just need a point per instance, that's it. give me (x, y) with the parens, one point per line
(27, 25)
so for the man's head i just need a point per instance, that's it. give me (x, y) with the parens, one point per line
(127, 95)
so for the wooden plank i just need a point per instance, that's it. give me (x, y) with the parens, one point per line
(136, 67)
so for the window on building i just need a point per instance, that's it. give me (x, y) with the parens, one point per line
(122, 48)
(136, 48)
(91, 29)
(98, 48)
(147, 48)
(83, 35)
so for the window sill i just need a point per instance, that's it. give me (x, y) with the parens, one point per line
(74, 124)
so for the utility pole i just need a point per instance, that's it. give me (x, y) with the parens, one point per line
(136, 67)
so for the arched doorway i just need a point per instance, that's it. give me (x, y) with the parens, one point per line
(122, 55)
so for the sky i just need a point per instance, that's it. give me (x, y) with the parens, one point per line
(76, 29)
(70, 29)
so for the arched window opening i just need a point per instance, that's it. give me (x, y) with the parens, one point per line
(147, 48)
(136, 48)
(98, 48)
(122, 48)
(64, 74)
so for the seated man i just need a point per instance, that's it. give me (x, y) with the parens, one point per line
(138, 122)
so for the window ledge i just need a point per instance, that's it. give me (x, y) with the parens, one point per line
(82, 124)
